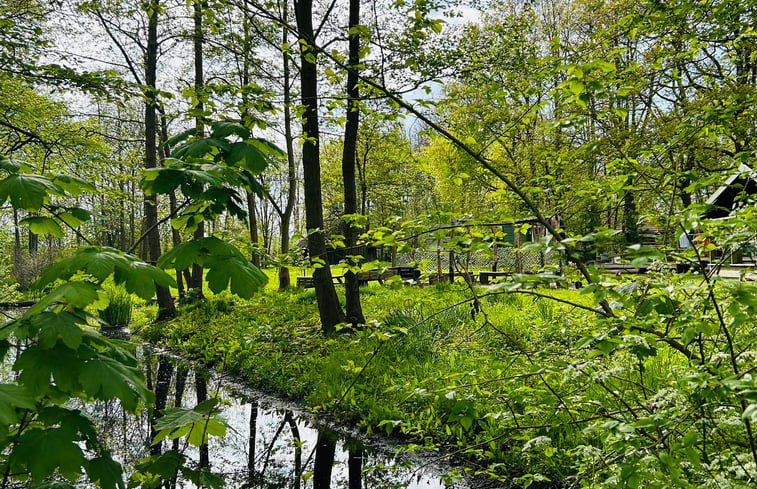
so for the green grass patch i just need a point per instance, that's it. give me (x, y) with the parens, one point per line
(426, 366)
(532, 386)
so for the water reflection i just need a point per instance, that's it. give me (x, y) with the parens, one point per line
(268, 444)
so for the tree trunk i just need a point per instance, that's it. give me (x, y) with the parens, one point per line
(166, 307)
(253, 223)
(33, 239)
(328, 303)
(630, 215)
(353, 308)
(196, 282)
(172, 205)
(16, 233)
(286, 216)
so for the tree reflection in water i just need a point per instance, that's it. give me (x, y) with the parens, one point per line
(268, 444)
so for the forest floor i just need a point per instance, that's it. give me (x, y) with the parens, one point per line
(427, 367)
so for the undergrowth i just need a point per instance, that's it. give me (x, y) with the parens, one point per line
(535, 386)
(427, 366)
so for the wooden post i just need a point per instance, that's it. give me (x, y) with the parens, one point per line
(451, 258)
(438, 263)
(518, 258)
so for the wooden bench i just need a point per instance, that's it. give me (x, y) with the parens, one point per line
(484, 277)
(371, 276)
(621, 269)
(306, 282)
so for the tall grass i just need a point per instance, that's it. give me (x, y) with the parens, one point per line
(118, 312)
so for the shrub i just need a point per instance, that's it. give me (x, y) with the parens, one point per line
(118, 312)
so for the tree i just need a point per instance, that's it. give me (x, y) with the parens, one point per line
(328, 303)
(166, 307)
(198, 6)
(353, 308)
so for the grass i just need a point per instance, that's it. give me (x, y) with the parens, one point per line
(527, 387)
(424, 368)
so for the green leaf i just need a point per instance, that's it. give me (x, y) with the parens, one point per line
(60, 453)
(54, 326)
(247, 156)
(13, 397)
(576, 87)
(73, 185)
(70, 219)
(76, 294)
(223, 129)
(200, 148)
(224, 262)
(79, 213)
(72, 422)
(267, 147)
(140, 278)
(165, 465)
(27, 191)
(100, 263)
(202, 477)
(106, 377)
(161, 180)
(106, 472)
(173, 141)
(196, 423)
(9, 165)
(38, 366)
(42, 225)
(746, 295)
(245, 278)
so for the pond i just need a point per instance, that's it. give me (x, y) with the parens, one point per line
(269, 443)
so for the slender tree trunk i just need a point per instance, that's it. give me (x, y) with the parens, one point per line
(121, 216)
(353, 308)
(33, 239)
(172, 205)
(328, 303)
(251, 212)
(166, 307)
(630, 215)
(16, 233)
(286, 216)
(199, 233)
(253, 223)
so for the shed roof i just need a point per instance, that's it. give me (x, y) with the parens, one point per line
(729, 195)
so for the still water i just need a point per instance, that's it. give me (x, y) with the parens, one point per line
(269, 443)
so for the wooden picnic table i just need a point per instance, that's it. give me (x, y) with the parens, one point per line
(406, 273)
